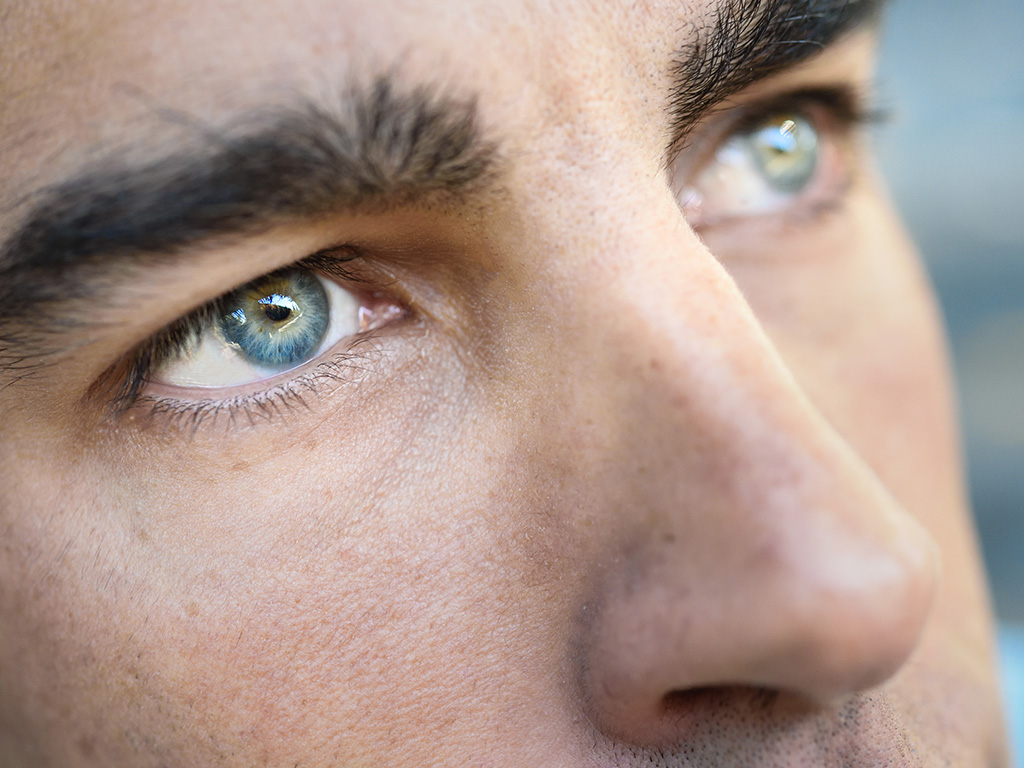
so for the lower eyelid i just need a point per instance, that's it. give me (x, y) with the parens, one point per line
(828, 185)
(173, 407)
(349, 362)
(835, 110)
(182, 391)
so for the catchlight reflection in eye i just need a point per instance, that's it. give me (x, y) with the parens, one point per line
(275, 323)
(756, 170)
(278, 320)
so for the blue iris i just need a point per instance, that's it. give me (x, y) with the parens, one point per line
(279, 320)
(785, 149)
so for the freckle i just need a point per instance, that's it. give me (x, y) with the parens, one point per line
(240, 466)
(192, 609)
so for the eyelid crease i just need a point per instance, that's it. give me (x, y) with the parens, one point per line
(748, 41)
(121, 385)
(846, 108)
(852, 106)
(852, 109)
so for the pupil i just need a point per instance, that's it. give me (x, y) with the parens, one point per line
(276, 313)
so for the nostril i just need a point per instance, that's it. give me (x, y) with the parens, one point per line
(685, 713)
(693, 704)
(681, 706)
(684, 698)
(677, 716)
(694, 699)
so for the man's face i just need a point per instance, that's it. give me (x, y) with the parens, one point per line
(603, 422)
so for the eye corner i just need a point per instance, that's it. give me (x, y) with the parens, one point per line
(293, 319)
(790, 155)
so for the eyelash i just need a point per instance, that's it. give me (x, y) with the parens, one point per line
(340, 368)
(837, 112)
(847, 107)
(125, 382)
(850, 106)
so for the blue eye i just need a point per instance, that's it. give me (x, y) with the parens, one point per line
(269, 326)
(784, 148)
(787, 159)
(278, 320)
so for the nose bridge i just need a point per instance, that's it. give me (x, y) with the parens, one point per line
(667, 338)
(755, 547)
(677, 368)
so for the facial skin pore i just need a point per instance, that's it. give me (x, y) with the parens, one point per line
(627, 469)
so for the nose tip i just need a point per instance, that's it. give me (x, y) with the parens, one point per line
(812, 602)
(847, 617)
(745, 544)
(829, 626)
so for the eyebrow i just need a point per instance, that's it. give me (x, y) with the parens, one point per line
(381, 147)
(748, 41)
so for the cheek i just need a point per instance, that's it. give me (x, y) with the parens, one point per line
(855, 321)
(850, 312)
(352, 641)
(226, 641)
(287, 604)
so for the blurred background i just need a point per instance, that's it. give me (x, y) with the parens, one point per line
(953, 73)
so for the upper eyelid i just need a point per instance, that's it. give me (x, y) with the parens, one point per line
(835, 65)
(330, 261)
(123, 381)
(848, 104)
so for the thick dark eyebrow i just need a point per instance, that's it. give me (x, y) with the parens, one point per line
(380, 147)
(383, 146)
(747, 41)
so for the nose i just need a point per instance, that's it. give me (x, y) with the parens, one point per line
(752, 547)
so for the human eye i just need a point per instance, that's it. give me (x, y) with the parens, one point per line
(784, 156)
(258, 346)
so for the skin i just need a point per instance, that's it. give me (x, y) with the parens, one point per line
(615, 492)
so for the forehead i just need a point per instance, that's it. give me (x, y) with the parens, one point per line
(105, 76)
(84, 77)
(200, 52)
